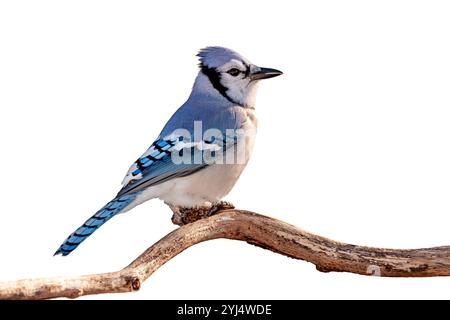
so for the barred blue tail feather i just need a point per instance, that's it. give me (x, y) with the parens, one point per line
(113, 207)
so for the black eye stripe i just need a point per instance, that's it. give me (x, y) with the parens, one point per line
(247, 71)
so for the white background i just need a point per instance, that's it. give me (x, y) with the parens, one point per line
(353, 141)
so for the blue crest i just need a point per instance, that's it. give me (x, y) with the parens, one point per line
(214, 57)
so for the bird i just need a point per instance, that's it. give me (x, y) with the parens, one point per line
(201, 151)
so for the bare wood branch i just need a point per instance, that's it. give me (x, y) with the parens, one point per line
(265, 232)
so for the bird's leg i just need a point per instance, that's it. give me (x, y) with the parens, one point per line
(177, 217)
(219, 206)
(185, 215)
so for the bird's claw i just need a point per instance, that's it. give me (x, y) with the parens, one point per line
(183, 215)
(219, 206)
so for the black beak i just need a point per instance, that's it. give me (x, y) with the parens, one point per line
(265, 73)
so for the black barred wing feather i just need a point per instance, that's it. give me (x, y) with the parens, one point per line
(171, 158)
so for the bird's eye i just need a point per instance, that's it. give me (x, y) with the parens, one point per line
(234, 72)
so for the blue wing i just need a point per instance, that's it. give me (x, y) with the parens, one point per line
(157, 164)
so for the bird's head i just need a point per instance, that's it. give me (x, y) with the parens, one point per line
(231, 75)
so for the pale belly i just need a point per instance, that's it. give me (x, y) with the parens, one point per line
(204, 187)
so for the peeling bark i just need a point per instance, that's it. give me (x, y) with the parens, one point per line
(262, 231)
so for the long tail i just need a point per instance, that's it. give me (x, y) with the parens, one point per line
(113, 207)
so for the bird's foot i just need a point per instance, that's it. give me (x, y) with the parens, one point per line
(185, 215)
(219, 206)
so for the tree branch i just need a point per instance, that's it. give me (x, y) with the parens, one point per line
(265, 232)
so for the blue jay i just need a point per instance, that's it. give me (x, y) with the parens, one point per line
(183, 167)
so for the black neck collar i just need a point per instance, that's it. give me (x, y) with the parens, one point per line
(214, 77)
